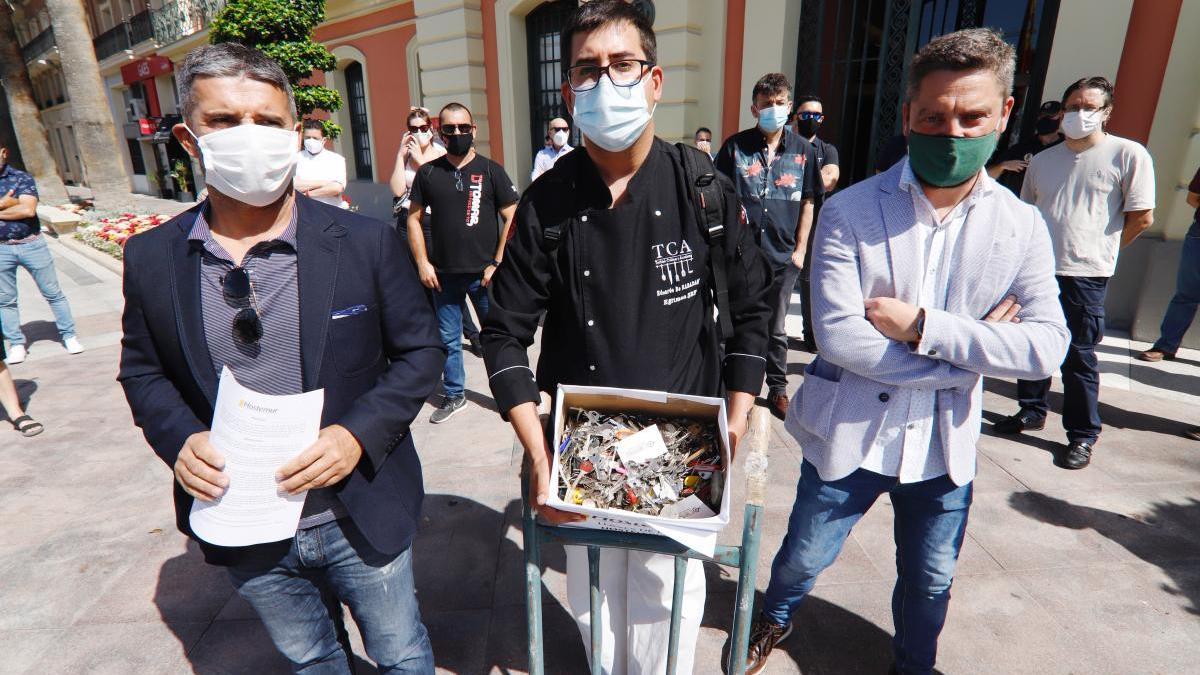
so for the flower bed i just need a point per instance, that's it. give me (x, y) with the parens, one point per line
(109, 234)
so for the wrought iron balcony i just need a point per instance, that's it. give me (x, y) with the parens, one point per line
(124, 35)
(177, 19)
(39, 45)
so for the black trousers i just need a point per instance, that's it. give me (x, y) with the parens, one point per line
(1082, 301)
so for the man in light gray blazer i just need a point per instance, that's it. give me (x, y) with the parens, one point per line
(926, 278)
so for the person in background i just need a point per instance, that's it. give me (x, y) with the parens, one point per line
(22, 245)
(702, 139)
(558, 132)
(11, 402)
(1096, 192)
(809, 115)
(1008, 166)
(774, 171)
(320, 172)
(472, 201)
(915, 305)
(1182, 309)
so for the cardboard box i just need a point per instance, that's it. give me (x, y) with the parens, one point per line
(699, 533)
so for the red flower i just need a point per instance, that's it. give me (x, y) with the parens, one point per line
(787, 180)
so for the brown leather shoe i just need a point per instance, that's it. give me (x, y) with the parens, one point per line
(778, 403)
(764, 635)
(1155, 355)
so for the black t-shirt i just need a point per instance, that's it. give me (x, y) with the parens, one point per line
(464, 223)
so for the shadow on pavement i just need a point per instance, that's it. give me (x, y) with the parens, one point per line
(25, 391)
(1111, 415)
(40, 331)
(1164, 535)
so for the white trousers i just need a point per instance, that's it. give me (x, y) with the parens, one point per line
(635, 609)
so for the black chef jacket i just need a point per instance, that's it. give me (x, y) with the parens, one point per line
(625, 293)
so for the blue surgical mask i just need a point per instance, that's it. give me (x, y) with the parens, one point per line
(772, 119)
(612, 117)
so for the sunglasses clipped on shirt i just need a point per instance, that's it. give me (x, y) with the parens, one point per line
(237, 286)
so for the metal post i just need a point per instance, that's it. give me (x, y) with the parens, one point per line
(533, 582)
(594, 610)
(681, 564)
(742, 613)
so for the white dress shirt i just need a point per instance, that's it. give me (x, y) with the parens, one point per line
(326, 165)
(910, 446)
(546, 157)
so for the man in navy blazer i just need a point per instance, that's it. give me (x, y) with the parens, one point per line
(293, 296)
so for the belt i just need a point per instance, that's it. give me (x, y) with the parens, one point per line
(13, 242)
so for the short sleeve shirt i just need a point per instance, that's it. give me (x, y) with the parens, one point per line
(326, 165)
(464, 207)
(774, 195)
(20, 184)
(1084, 197)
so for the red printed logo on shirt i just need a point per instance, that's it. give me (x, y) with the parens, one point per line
(474, 199)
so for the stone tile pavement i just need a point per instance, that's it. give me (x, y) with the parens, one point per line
(1095, 571)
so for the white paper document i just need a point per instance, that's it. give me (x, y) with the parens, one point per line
(257, 434)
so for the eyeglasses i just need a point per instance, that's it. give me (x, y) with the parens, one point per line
(624, 73)
(810, 116)
(1075, 107)
(553, 129)
(456, 129)
(236, 286)
(418, 129)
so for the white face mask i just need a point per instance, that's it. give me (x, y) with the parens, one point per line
(314, 145)
(559, 138)
(251, 163)
(1082, 123)
(612, 117)
(424, 137)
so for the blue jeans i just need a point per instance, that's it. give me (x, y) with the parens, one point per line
(35, 257)
(1082, 300)
(931, 519)
(1182, 309)
(449, 305)
(378, 588)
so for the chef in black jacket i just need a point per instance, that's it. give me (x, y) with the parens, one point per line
(627, 300)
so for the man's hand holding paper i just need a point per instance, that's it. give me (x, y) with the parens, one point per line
(324, 463)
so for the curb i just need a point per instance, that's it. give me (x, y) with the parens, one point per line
(99, 257)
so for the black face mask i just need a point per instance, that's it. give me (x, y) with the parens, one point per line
(459, 144)
(1047, 126)
(807, 128)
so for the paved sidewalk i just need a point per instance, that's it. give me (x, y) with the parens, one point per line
(1094, 571)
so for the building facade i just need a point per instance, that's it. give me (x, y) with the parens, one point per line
(502, 59)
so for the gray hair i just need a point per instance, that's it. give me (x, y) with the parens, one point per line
(228, 59)
(970, 49)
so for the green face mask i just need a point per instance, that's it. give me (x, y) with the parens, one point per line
(946, 161)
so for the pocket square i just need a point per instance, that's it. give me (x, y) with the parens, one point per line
(353, 310)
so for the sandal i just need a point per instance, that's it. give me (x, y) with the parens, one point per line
(28, 426)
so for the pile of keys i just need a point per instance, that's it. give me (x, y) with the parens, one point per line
(594, 473)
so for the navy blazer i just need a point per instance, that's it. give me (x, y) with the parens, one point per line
(376, 368)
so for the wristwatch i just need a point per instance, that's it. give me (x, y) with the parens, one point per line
(495, 263)
(920, 324)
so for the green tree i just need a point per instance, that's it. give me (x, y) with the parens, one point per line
(282, 29)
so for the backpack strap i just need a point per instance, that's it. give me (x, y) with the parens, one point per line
(708, 206)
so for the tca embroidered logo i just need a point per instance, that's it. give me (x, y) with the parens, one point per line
(673, 260)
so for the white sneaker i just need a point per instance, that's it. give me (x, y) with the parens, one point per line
(73, 345)
(16, 354)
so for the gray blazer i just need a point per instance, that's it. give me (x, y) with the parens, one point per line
(867, 246)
